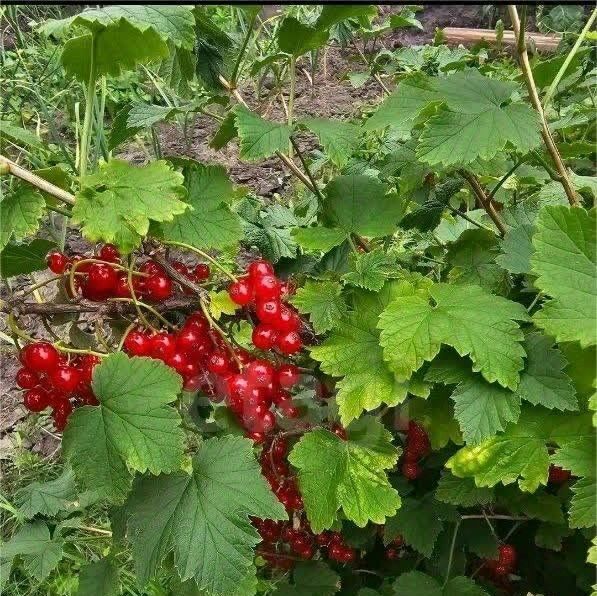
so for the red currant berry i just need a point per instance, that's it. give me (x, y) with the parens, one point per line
(288, 375)
(288, 409)
(257, 437)
(241, 292)
(181, 268)
(260, 373)
(303, 546)
(398, 541)
(410, 455)
(263, 336)
(158, 286)
(189, 339)
(287, 320)
(259, 268)
(108, 252)
(40, 356)
(137, 343)
(507, 556)
(238, 387)
(198, 322)
(163, 345)
(268, 311)
(335, 551)
(266, 287)
(558, 475)
(501, 570)
(36, 400)
(26, 379)
(279, 448)
(339, 431)
(219, 363)
(202, 272)
(60, 414)
(289, 343)
(65, 378)
(122, 289)
(57, 262)
(411, 470)
(101, 280)
(151, 267)
(178, 361)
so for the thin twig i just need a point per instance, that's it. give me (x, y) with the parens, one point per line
(484, 200)
(527, 72)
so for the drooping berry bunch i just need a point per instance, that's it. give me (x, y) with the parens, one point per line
(499, 569)
(417, 447)
(102, 276)
(279, 324)
(53, 380)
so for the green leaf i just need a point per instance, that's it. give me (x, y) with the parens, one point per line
(334, 474)
(436, 415)
(539, 505)
(40, 553)
(319, 238)
(48, 498)
(19, 135)
(324, 303)
(476, 103)
(420, 584)
(551, 535)
(203, 517)
(220, 303)
(332, 14)
(520, 453)
(577, 456)
(143, 115)
(517, 245)
(339, 139)
(371, 270)
(564, 261)
(461, 491)
(297, 39)
(99, 578)
(133, 428)
(360, 204)
(543, 382)
(412, 331)
(583, 508)
(310, 578)
(225, 133)
(117, 203)
(20, 212)
(209, 221)
(405, 18)
(17, 259)
(260, 138)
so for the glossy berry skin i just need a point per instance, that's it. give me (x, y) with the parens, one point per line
(137, 343)
(266, 287)
(201, 272)
(178, 361)
(289, 343)
(121, 288)
(65, 378)
(287, 320)
(163, 345)
(339, 431)
(26, 379)
(558, 475)
(189, 339)
(198, 322)
(268, 311)
(507, 556)
(57, 262)
(219, 363)
(288, 375)
(259, 268)
(180, 267)
(40, 356)
(260, 373)
(86, 365)
(411, 470)
(101, 280)
(241, 292)
(263, 336)
(288, 409)
(60, 414)
(35, 400)
(158, 286)
(238, 387)
(108, 252)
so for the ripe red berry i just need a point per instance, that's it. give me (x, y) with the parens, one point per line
(507, 556)
(238, 387)
(202, 272)
(260, 373)
(263, 336)
(181, 268)
(86, 365)
(241, 292)
(266, 287)
(411, 470)
(287, 320)
(163, 345)
(288, 375)
(257, 437)
(137, 343)
(259, 268)
(101, 280)
(178, 361)
(189, 338)
(26, 379)
(57, 262)
(558, 475)
(158, 286)
(339, 431)
(36, 400)
(501, 570)
(65, 378)
(219, 363)
(288, 409)
(151, 267)
(108, 252)
(40, 356)
(289, 343)
(60, 414)
(121, 288)
(198, 322)
(268, 311)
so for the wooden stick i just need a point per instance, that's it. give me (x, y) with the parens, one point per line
(484, 200)
(467, 37)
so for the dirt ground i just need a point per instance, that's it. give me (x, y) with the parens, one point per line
(331, 96)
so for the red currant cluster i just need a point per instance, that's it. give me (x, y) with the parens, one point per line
(499, 569)
(417, 447)
(394, 549)
(558, 475)
(279, 323)
(52, 380)
(109, 279)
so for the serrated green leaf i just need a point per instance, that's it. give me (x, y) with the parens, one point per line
(48, 498)
(318, 238)
(17, 259)
(360, 204)
(225, 133)
(339, 139)
(260, 138)
(336, 474)
(461, 491)
(583, 506)
(99, 579)
(133, 428)
(578, 457)
(209, 221)
(520, 453)
(311, 578)
(538, 505)
(420, 584)
(20, 212)
(412, 331)
(296, 38)
(19, 135)
(273, 242)
(220, 303)
(323, 302)
(551, 535)
(371, 270)
(564, 261)
(117, 203)
(40, 553)
(143, 115)
(203, 517)
(333, 14)
(517, 245)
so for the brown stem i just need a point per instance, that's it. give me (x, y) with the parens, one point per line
(36, 181)
(527, 72)
(484, 200)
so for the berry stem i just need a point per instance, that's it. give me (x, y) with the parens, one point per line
(152, 310)
(16, 330)
(62, 348)
(204, 255)
(452, 547)
(129, 281)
